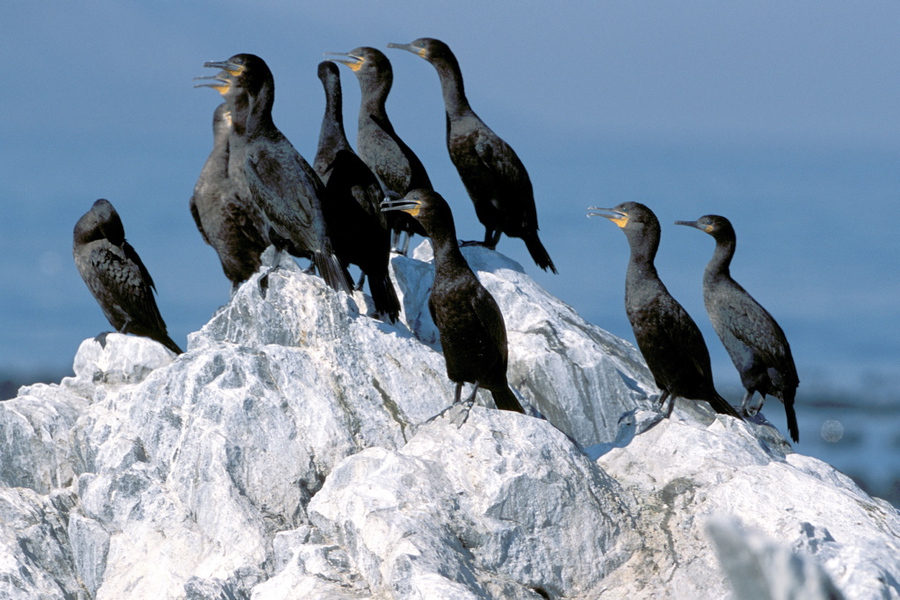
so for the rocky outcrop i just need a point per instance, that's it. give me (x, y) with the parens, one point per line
(289, 454)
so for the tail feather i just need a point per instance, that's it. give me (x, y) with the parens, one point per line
(538, 252)
(791, 417)
(506, 400)
(333, 272)
(166, 341)
(384, 295)
(721, 405)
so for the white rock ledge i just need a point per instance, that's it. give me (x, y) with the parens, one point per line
(287, 455)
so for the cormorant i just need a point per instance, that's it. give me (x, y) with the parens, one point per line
(472, 332)
(277, 177)
(492, 173)
(756, 344)
(667, 337)
(397, 167)
(228, 222)
(352, 201)
(117, 278)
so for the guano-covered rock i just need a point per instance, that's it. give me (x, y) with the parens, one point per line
(289, 454)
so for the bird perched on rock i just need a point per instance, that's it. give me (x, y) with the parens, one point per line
(471, 327)
(115, 275)
(351, 205)
(491, 172)
(754, 341)
(397, 167)
(276, 176)
(227, 219)
(667, 337)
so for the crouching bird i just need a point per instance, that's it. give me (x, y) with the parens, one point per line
(754, 341)
(667, 337)
(472, 332)
(115, 275)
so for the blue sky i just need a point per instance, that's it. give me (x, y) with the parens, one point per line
(784, 117)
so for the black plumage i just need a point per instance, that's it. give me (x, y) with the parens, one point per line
(667, 337)
(397, 167)
(227, 220)
(351, 205)
(493, 175)
(754, 340)
(265, 164)
(471, 327)
(115, 275)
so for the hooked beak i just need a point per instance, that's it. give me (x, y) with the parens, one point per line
(616, 216)
(695, 225)
(351, 60)
(233, 69)
(401, 204)
(219, 82)
(408, 48)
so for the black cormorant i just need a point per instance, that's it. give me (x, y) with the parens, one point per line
(352, 201)
(276, 176)
(117, 278)
(667, 337)
(492, 173)
(397, 167)
(756, 344)
(472, 332)
(228, 222)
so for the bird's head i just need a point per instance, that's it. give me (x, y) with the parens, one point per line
(636, 220)
(242, 71)
(714, 225)
(426, 48)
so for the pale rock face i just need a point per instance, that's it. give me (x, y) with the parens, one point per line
(288, 454)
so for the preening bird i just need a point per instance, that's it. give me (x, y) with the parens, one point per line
(352, 200)
(754, 340)
(493, 175)
(227, 219)
(274, 174)
(397, 167)
(115, 275)
(667, 337)
(471, 327)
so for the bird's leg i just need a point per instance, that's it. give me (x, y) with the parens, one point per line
(456, 402)
(662, 403)
(466, 406)
(492, 238)
(748, 408)
(406, 244)
(126, 326)
(395, 241)
(263, 281)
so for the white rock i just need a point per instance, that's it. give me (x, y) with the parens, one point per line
(287, 455)
(498, 503)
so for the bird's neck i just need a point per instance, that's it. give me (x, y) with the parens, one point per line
(332, 134)
(447, 255)
(719, 265)
(455, 102)
(217, 163)
(374, 97)
(260, 118)
(641, 268)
